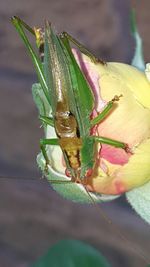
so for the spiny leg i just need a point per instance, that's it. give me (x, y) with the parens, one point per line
(81, 47)
(19, 25)
(112, 142)
(105, 111)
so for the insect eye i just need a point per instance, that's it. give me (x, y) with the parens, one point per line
(68, 173)
(88, 173)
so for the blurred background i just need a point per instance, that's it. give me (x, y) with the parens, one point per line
(32, 215)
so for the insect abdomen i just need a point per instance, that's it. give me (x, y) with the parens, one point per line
(66, 128)
(72, 149)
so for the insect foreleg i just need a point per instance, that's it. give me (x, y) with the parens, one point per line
(112, 142)
(51, 141)
(47, 120)
(107, 109)
(81, 47)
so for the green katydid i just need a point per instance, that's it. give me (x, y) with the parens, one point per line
(71, 99)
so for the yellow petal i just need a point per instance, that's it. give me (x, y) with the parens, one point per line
(137, 171)
(129, 122)
(135, 79)
(119, 179)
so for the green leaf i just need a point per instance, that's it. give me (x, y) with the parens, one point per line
(139, 199)
(138, 58)
(71, 253)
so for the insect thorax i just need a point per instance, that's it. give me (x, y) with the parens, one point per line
(65, 122)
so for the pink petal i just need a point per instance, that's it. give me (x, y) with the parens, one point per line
(114, 155)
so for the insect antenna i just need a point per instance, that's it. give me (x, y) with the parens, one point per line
(2, 177)
(119, 232)
(61, 181)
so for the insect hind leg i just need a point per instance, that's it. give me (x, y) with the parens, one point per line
(81, 47)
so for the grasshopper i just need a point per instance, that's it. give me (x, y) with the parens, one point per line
(70, 98)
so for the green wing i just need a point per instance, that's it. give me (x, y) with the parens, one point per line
(59, 60)
(81, 94)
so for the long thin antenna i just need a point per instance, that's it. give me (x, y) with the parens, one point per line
(4, 177)
(137, 251)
